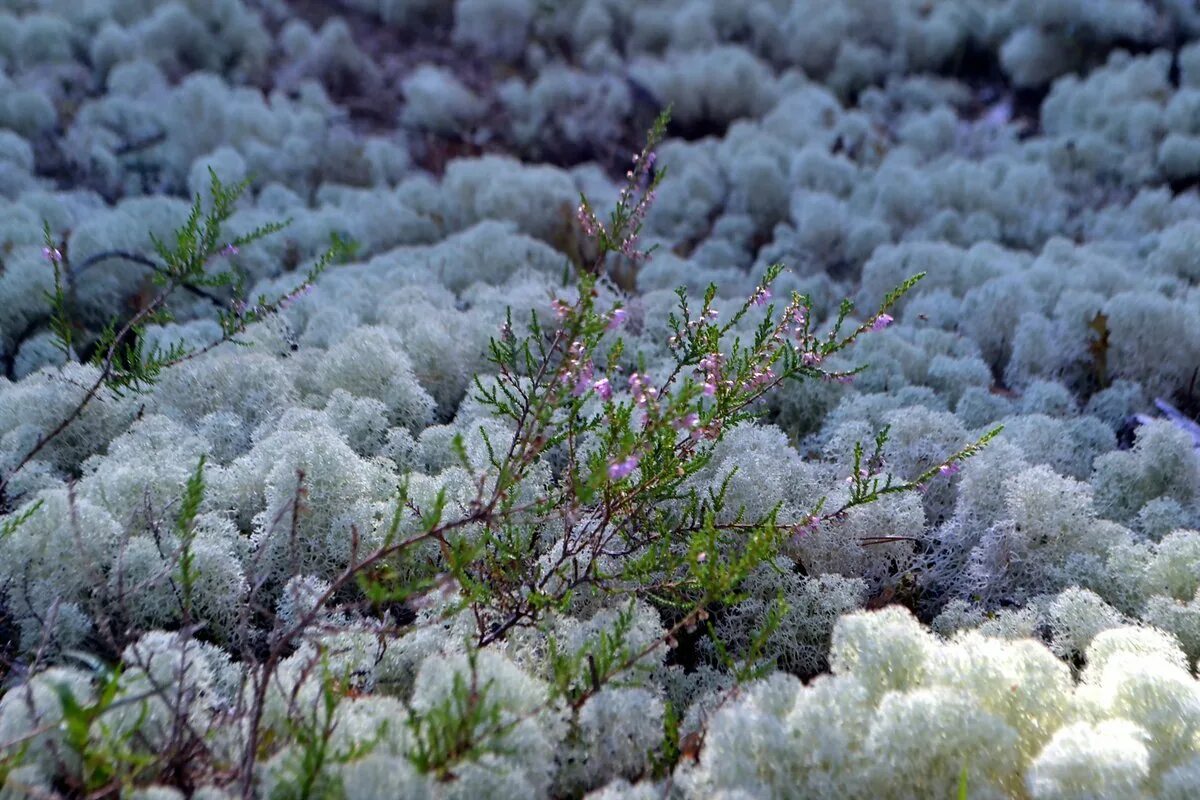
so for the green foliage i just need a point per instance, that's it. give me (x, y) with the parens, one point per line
(107, 762)
(462, 726)
(753, 665)
(193, 496)
(10, 525)
(60, 314)
(664, 759)
(576, 676)
(308, 770)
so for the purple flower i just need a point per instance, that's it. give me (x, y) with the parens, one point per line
(807, 526)
(603, 388)
(881, 322)
(623, 468)
(52, 254)
(953, 468)
(587, 221)
(300, 291)
(583, 379)
(616, 318)
(640, 388)
(230, 250)
(761, 295)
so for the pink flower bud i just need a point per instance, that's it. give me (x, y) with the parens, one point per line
(618, 470)
(881, 322)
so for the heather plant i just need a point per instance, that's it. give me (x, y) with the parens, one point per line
(579, 490)
(196, 262)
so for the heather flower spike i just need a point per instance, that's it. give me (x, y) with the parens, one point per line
(623, 468)
(880, 322)
(622, 233)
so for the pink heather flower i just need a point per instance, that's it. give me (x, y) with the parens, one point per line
(759, 378)
(710, 389)
(881, 322)
(52, 254)
(688, 421)
(295, 294)
(761, 295)
(229, 250)
(642, 394)
(587, 221)
(629, 248)
(807, 526)
(950, 469)
(583, 380)
(811, 359)
(603, 388)
(622, 469)
(616, 318)
(561, 309)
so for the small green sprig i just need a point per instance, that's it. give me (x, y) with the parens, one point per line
(623, 231)
(124, 363)
(60, 313)
(185, 526)
(462, 726)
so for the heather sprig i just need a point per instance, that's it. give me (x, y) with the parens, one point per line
(622, 233)
(194, 260)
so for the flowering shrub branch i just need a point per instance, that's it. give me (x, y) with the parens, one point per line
(590, 493)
